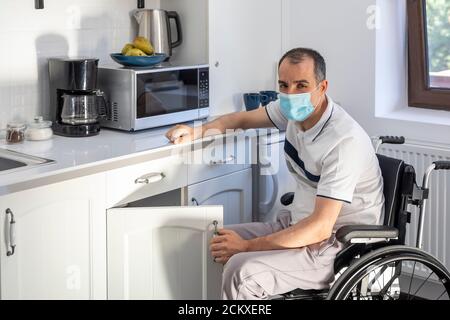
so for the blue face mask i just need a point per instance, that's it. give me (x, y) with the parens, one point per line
(297, 107)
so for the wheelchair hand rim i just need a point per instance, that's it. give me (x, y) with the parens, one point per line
(435, 266)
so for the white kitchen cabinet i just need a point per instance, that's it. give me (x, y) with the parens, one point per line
(245, 44)
(60, 237)
(163, 253)
(232, 191)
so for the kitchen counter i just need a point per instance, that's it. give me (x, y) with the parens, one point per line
(76, 157)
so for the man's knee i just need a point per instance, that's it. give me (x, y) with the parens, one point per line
(234, 264)
(237, 279)
(239, 266)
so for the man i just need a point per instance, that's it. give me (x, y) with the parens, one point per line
(338, 183)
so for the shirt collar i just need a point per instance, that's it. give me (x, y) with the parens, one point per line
(315, 131)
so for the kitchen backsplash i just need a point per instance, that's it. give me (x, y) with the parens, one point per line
(65, 27)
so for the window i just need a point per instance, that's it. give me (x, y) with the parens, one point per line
(429, 53)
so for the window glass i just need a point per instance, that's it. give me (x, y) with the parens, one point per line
(438, 41)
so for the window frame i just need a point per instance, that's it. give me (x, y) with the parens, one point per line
(420, 94)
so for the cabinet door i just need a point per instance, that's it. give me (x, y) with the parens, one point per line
(233, 192)
(163, 253)
(244, 48)
(57, 255)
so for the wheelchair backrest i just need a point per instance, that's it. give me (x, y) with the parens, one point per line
(392, 172)
(398, 179)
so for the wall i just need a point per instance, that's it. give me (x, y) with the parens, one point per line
(194, 21)
(366, 66)
(64, 27)
(338, 30)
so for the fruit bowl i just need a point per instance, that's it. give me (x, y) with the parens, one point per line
(138, 61)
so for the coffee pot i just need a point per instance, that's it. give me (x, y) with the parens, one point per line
(76, 104)
(84, 108)
(154, 24)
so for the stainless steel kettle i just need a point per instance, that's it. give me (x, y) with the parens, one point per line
(154, 24)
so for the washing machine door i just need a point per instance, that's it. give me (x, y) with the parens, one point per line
(274, 178)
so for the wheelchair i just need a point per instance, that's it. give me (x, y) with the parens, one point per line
(375, 263)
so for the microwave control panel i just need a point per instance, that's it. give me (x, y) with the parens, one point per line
(203, 87)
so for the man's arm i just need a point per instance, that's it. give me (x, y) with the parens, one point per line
(313, 229)
(239, 120)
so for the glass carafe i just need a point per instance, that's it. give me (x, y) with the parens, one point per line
(83, 108)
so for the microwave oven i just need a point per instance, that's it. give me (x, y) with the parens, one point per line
(138, 99)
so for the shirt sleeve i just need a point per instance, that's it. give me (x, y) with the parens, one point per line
(275, 115)
(341, 170)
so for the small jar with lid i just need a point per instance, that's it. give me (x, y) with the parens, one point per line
(15, 132)
(39, 130)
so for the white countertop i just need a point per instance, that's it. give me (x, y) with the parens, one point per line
(76, 157)
(80, 153)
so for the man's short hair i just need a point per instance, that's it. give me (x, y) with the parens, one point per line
(297, 55)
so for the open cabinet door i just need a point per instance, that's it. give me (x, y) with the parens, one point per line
(163, 253)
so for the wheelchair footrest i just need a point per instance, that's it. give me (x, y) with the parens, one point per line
(300, 294)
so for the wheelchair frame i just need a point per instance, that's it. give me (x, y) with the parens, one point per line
(371, 248)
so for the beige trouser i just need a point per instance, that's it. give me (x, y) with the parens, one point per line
(261, 274)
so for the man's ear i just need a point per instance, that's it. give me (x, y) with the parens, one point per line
(324, 86)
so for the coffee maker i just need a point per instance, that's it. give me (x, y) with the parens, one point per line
(75, 102)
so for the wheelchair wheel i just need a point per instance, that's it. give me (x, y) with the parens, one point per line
(393, 273)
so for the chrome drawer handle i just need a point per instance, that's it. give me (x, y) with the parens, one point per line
(216, 162)
(12, 233)
(215, 232)
(215, 224)
(150, 178)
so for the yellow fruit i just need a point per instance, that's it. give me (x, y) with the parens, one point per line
(144, 45)
(127, 47)
(135, 52)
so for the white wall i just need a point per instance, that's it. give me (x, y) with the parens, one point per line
(65, 27)
(194, 21)
(366, 66)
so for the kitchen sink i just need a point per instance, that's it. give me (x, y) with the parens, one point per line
(14, 161)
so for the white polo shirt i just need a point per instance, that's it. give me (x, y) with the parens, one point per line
(334, 159)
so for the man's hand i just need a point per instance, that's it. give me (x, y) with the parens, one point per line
(227, 244)
(182, 134)
(239, 120)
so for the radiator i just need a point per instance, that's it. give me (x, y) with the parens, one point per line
(437, 219)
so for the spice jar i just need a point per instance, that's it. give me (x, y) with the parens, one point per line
(39, 130)
(15, 132)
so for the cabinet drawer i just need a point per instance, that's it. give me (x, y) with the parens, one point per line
(222, 156)
(144, 180)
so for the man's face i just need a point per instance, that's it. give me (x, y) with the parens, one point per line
(300, 78)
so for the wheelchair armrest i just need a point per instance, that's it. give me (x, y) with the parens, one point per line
(366, 234)
(287, 198)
